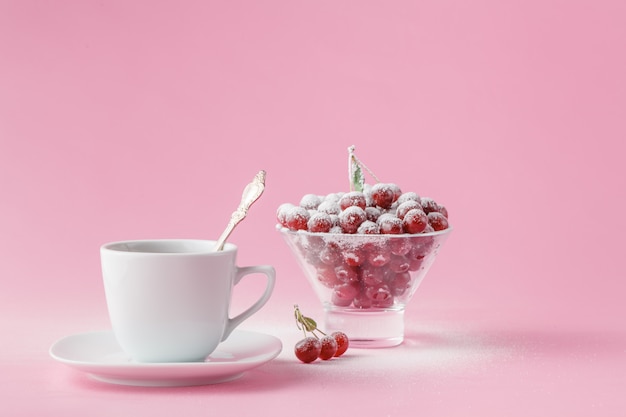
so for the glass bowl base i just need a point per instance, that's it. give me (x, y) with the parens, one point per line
(371, 328)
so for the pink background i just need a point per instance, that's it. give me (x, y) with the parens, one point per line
(138, 119)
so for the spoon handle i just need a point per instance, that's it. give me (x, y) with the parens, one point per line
(251, 193)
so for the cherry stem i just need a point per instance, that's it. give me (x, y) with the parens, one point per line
(306, 323)
(354, 158)
(323, 334)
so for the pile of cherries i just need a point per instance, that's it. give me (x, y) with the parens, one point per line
(313, 347)
(380, 209)
(365, 246)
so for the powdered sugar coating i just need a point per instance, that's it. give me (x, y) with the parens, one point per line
(368, 227)
(353, 198)
(320, 222)
(437, 220)
(382, 203)
(415, 221)
(281, 213)
(329, 207)
(410, 195)
(407, 206)
(297, 218)
(429, 205)
(372, 213)
(351, 218)
(310, 201)
(383, 195)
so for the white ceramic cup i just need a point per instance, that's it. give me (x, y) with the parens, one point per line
(169, 300)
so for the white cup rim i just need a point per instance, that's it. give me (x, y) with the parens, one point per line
(190, 246)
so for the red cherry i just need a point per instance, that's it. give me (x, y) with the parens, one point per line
(405, 207)
(326, 275)
(281, 213)
(345, 273)
(329, 207)
(421, 248)
(408, 196)
(397, 192)
(342, 342)
(443, 211)
(335, 219)
(399, 264)
(379, 256)
(400, 246)
(378, 293)
(320, 222)
(372, 213)
(331, 254)
(362, 301)
(297, 218)
(415, 221)
(390, 225)
(336, 300)
(354, 257)
(368, 228)
(333, 197)
(310, 201)
(429, 205)
(347, 291)
(351, 218)
(371, 275)
(384, 302)
(415, 264)
(353, 198)
(329, 348)
(400, 283)
(383, 195)
(344, 294)
(437, 220)
(308, 349)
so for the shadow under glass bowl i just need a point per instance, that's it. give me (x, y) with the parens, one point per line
(365, 281)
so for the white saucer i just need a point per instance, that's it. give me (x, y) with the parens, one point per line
(99, 355)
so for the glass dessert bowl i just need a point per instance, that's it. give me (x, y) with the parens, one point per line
(365, 281)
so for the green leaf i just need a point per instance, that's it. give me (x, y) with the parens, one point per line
(308, 323)
(357, 178)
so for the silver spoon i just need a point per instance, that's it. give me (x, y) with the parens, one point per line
(251, 193)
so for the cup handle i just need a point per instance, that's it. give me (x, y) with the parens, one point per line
(270, 273)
